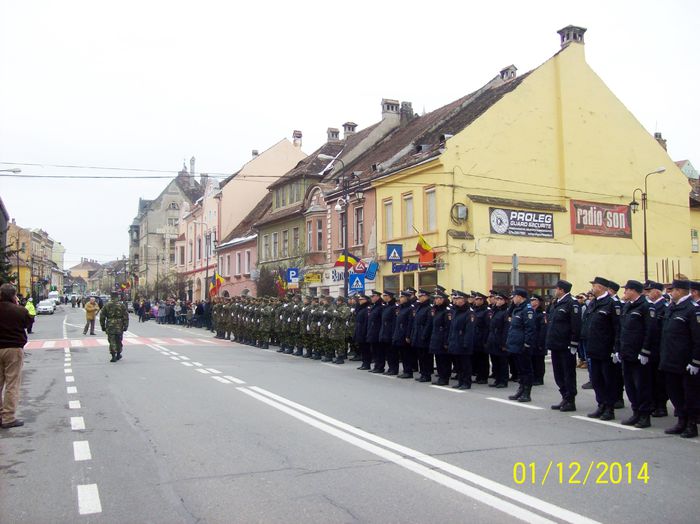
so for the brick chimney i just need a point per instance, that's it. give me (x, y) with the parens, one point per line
(349, 129)
(255, 153)
(571, 33)
(661, 140)
(296, 138)
(333, 134)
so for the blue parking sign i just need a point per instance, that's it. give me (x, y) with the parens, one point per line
(293, 274)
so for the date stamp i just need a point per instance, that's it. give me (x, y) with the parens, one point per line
(580, 474)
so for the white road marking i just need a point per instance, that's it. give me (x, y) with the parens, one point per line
(65, 332)
(234, 379)
(81, 450)
(67, 364)
(181, 340)
(189, 365)
(68, 370)
(71, 390)
(88, 499)
(212, 370)
(173, 353)
(203, 371)
(336, 366)
(66, 351)
(76, 343)
(157, 341)
(70, 379)
(129, 334)
(49, 344)
(500, 489)
(197, 363)
(175, 358)
(73, 404)
(205, 341)
(183, 357)
(513, 403)
(606, 422)
(222, 380)
(102, 342)
(77, 423)
(447, 388)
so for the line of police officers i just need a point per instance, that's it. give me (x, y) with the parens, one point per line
(645, 344)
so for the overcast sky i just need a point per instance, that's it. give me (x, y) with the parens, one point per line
(145, 84)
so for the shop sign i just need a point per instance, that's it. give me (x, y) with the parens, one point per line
(403, 268)
(313, 278)
(606, 220)
(521, 223)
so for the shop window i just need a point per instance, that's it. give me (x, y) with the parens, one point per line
(409, 280)
(391, 283)
(540, 283)
(428, 279)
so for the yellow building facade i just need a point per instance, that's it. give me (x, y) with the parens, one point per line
(547, 173)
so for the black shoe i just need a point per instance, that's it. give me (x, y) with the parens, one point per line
(632, 420)
(308, 355)
(643, 422)
(376, 370)
(457, 386)
(391, 373)
(619, 404)
(482, 381)
(289, 351)
(114, 358)
(597, 413)
(568, 406)
(17, 423)
(525, 397)
(326, 359)
(517, 394)
(442, 382)
(557, 407)
(678, 428)
(659, 412)
(364, 368)
(502, 385)
(608, 414)
(538, 383)
(317, 356)
(691, 430)
(280, 350)
(587, 385)
(339, 360)
(298, 353)
(355, 358)
(493, 385)
(93, 334)
(423, 379)
(119, 356)
(465, 386)
(405, 375)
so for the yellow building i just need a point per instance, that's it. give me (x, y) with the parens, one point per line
(542, 166)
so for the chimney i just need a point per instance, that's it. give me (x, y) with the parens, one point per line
(192, 166)
(255, 153)
(349, 129)
(333, 134)
(406, 113)
(571, 33)
(296, 138)
(389, 108)
(661, 140)
(203, 178)
(508, 73)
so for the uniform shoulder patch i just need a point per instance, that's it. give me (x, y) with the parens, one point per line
(697, 316)
(575, 308)
(530, 314)
(652, 313)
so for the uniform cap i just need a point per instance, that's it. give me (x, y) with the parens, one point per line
(423, 292)
(614, 286)
(634, 284)
(476, 294)
(502, 295)
(602, 281)
(406, 293)
(695, 285)
(650, 284)
(458, 294)
(535, 297)
(411, 290)
(519, 292)
(439, 288)
(377, 293)
(680, 284)
(388, 293)
(439, 294)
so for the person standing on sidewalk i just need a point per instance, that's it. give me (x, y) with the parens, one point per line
(13, 337)
(91, 309)
(32, 313)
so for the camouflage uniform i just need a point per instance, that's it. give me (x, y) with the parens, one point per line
(326, 318)
(217, 317)
(353, 353)
(339, 330)
(114, 320)
(314, 330)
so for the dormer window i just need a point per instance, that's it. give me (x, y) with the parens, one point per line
(173, 205)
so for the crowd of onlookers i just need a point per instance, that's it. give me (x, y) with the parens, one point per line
(175, 311)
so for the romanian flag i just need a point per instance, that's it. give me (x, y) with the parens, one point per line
(345, 255)
(215, 284)
(280, 284)
(426, 254)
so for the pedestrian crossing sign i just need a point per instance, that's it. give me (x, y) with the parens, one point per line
(357, 283)
(394, 252)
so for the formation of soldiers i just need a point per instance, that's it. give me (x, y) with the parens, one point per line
(646, 344)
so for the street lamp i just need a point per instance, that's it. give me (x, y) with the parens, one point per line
(634, 205)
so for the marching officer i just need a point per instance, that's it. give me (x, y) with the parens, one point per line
(460, 339)
(563, 332)
(421, 331)
(439, 336)
(520, 341)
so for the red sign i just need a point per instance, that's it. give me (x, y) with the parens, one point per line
(360, 267)
(606, 220)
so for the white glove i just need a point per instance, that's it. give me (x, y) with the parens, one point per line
(615, 358)
(280, 317)
(644, 360)
(308, 328)
(573, 350)
(693, 370)
(329, 327)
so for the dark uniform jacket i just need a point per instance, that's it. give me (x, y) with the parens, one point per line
(563, 324)
(422, 325)
(361, 317)
(657, 312)
(461, 321)
(374, 322)
(601, 327)
(440, 330)
(481, 327)
(521, 333)
(635, 329)
(498, 331)
(680, 338)
(402, 325)
(388, 320)
(540, 347)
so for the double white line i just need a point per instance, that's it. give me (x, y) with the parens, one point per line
(425, 465)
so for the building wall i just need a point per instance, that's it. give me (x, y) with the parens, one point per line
(238, 279)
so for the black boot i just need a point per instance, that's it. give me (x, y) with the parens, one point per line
(518, 393)
(678, 428)
(643, 421)
(557, 407)
(114, 358)
(568, 405)
(525, 397)
(691, 430)
(660, 412)
(608, 414)
(631, 421)
(597, 413)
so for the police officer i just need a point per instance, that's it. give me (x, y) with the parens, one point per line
(562, 340)
(635, 331)
(439, 336)
(374, 325)
(421, 330)
(460, 344)
(539, 351)
(520, 342)
(339, 327)
(613, 288)
(600, 331)
(402, 336)
(386, 333)
(114, 320)
(496, 342)
(360, 334)
(680, 359)
(480, 358)
(657, 312)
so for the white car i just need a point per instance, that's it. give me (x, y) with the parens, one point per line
(46, 307)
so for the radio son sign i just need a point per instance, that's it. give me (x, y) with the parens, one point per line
(607, 220)
(521, 223)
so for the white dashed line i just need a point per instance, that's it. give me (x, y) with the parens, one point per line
(607, 423)
(212, 370)
(81, 450)
(183, 357)
(203, 371)
(76, 343)
(71, 390)
(514, 403)
(446, 388)
(67, 364)
(205, 341)
(181, 340)
(188, 364)
(74, 404)
(157, 341)
(197, 363)
(89, 499)
(70, 379)
(234, 379)
(222, 380)
(49, 344)
(77, 423)
(173, 353)
(68, 371)
(66, 350)
(175, 358)
(102, 342)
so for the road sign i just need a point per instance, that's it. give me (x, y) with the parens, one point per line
(371, 272)
(360, 267)
(293, 274)
(357, 283)
(394, 252)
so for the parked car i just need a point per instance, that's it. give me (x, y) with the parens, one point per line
(46, 307)
(55, 296)
(130, 307)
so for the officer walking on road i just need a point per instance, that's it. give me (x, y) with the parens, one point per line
(114, 320)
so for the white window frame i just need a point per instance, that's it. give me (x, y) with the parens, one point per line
(319, 234)
(285, 243)
(247, 261)
(309, 235)
(388, 218)
(359, 225)
(430, 217)
(238, 262)
(408, 213)
(275, 245)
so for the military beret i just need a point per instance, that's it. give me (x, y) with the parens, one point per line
(614, 286)
(520, 292)
(564, 284)
(602, 281)
(650, 284)
(634, 284)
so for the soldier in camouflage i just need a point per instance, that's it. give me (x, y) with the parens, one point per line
(340, 324)
(114, 320)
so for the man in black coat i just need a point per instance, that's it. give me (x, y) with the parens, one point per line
(613, 288)
(563, 332)
(374, 324)
(460, 341)
(421, 330)
(480, 357)
(680, 359)
(657, 311)
(401, 337)
(438, 337)
(600, 331)
(539, 351)
(520, 341)
(386, 334)
(360, 334)
(635, 334)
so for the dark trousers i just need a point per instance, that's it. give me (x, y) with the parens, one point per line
(604, 382)
(538, 368)
(564, 367)
(31, 324)
(426, 363)
(659, 397)
(684, 392)
(443, 362)
(500, 368)
(408, 358)
(524, 362)
(619, 381)
(463, 364)
(392, 357)
(89, 324)
(366, 352)
(480, 361)
(379, 355)
(513, 366)
(638, 385)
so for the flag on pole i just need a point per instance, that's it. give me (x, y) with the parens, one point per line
(280, 283)
(215, 284)
(345, 255)
(426, 255)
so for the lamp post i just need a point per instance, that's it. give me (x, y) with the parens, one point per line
(634, 205)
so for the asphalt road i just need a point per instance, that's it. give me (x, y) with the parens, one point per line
(189, 429)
